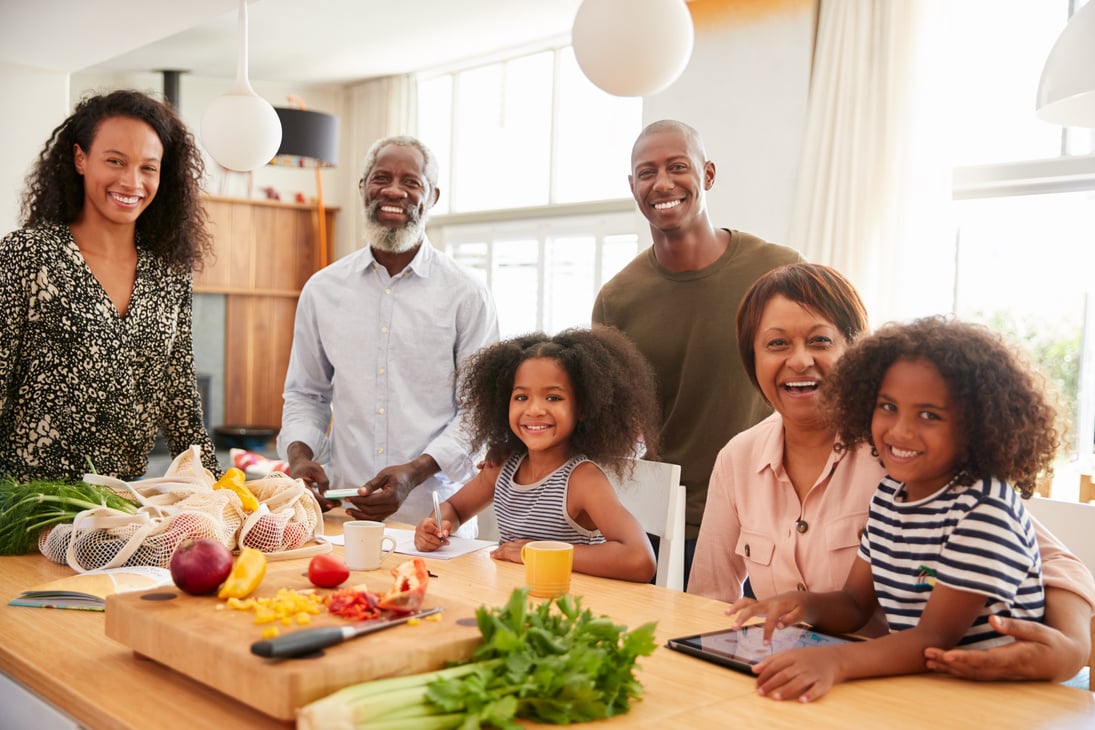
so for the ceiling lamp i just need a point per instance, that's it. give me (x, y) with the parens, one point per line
(1066, 92)
(632, 47)
(240, 129)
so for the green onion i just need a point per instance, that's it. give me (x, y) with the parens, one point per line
(27, 508)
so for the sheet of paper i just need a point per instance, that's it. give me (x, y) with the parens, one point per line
(404, 544)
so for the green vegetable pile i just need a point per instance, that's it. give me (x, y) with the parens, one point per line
(552, 666)
(26, 508)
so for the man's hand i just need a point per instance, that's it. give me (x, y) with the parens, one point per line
(1036, 653)
(388, 489)
(301, 466)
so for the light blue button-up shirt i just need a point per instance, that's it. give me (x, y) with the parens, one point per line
(374, 358)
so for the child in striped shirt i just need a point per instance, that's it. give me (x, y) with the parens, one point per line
(553, 411)
(963, 428)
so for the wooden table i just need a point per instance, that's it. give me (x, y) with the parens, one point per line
(65, 658)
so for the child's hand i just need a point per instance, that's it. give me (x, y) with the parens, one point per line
(779, 611)
(427, 536)
(510, 551)
(805, 674)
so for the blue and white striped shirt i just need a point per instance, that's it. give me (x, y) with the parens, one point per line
(975, 538)
(538, 511)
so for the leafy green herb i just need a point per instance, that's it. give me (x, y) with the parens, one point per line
(553, 666)
(27, 508)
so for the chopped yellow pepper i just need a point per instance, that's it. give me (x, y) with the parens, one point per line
(247, 573)
(235, 480)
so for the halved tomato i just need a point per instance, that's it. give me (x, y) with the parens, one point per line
(409, 588)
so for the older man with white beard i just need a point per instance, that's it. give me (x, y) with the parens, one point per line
(379, 334)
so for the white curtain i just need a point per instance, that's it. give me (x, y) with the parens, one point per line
(376, 108)
(873, 195)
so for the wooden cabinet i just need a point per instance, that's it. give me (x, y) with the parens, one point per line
(264, 252)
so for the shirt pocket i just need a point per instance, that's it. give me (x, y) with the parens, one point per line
(758, 550)
(843, 535)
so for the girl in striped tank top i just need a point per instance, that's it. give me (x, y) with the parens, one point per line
(552, 412)
(963, 428)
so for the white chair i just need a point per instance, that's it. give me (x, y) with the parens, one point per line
(1073, 523)
(655, 495)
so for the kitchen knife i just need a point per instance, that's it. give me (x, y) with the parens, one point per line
(307, 641)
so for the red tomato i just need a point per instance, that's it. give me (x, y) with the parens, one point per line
(327, 571)
(409, 588)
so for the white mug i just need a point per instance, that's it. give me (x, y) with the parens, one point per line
(364, 544)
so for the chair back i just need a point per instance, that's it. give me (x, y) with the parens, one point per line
(655, 495)
(1073, 523)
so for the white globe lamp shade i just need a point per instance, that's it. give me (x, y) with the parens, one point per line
(241, 131)
(1066, 91)
(632, 47)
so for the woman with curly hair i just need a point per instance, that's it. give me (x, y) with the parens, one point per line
(553, 411)
(963, 428)
(96, 349)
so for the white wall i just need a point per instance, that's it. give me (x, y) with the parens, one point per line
(37, 100)
(745, 90)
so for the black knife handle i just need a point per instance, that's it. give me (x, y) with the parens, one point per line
(298, 643)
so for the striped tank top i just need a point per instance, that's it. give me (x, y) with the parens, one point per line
(538, 511)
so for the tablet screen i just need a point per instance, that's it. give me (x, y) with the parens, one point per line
(744, 647)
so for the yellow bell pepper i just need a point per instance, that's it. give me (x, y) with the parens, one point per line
(235, 480)
(247, 573)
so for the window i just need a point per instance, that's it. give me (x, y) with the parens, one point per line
(1024, 206)
(534, 160)
(545, 273)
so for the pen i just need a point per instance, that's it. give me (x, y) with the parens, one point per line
(437, 511)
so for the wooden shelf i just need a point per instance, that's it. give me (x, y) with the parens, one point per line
(265, 250)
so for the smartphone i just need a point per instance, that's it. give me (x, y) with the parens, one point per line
(340, 493)
(743, 648)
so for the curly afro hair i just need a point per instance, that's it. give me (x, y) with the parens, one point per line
(1007, 413)
(613, 386)
(174, 225)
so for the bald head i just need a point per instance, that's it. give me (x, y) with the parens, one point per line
(691, 136)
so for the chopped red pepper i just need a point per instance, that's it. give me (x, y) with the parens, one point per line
(409, 589)
(353, 604)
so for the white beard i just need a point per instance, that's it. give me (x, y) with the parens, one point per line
(399, 240)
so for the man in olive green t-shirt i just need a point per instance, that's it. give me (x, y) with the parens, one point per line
(678, 301)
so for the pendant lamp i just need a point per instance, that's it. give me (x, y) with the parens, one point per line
(1066, 91)
(632, 47)
(240, 129)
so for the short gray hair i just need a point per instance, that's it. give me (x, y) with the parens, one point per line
(402, 140)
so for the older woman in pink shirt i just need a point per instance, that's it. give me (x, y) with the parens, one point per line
(786, 511)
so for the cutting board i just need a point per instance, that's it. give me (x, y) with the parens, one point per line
(200, 637)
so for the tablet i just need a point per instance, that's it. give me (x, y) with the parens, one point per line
(742, 648)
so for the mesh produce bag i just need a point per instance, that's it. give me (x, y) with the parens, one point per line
(180, 505)
(288, 518)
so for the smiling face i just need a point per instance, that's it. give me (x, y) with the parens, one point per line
(121, 171)
(795, 348)
(917, 428)
(398, 198)
(543, 410)
(669, 179)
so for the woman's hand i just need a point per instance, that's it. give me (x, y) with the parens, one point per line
(428, 537)
(1038, 652)
(509, 551)
(779, 611)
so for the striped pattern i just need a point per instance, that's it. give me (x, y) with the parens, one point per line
(977, 538)
(538, 511)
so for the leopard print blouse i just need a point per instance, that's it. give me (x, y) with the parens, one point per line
(82, 388)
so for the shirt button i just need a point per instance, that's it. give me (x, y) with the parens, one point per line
(746, 551)
(384, 329)
(380, 411)
(387, 291)
(802, 526)
(380, 371)
(800, 587)
(380, 450)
